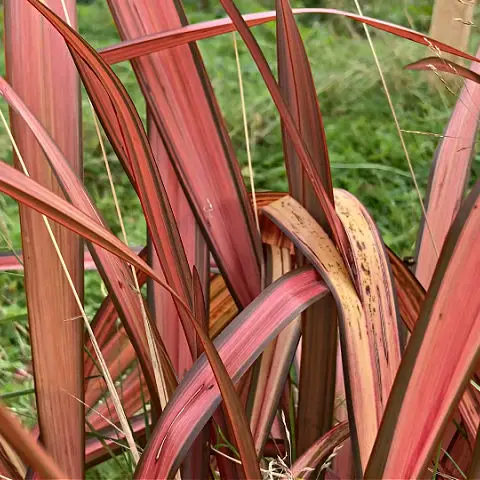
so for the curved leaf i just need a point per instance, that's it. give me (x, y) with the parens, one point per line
(276, 360)
(238, 345)
(183, 108)
(320, 450)
(290, 127)
(159, 41)
(376, 290)
(103, 323)
(440, 64)
(11, 466)
(125, 131)
(116, 275)
(20, 187)
(358, 360)
(14, 262)
(27, 191)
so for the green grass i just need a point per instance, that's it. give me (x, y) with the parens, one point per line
(365, 151)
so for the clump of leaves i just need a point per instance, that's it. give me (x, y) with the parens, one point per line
(274, 325)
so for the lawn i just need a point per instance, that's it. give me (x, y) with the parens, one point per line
(365, 151)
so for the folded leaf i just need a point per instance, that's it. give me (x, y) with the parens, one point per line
(358, 360)
(377, 294)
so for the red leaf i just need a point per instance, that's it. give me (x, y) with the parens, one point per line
(320, 450)
(448, 177)
(440, 64)
(126, 133)
(428, 385)
(50, 88)
(26, 445)
(334, 223)
(319, 322)
(116, 275)
(159, 41)
(198, 396)
(183, 108)
(11, 262)
(160, 301)
(276, 360)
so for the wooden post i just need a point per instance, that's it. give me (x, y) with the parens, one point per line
(452, 22)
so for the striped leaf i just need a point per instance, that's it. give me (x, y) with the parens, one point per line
(127, 136)
(448, 177)
(319, 323)
(26, 445)
(360, 381)
(198, 395)
(182, 106)
(160, 301)
(436, 64)
(276, 359)
(429, 385)
(163, 40)
(49, 86)
(377, 293)
(116, 275)
(319, 451)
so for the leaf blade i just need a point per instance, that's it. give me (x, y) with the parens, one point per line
(319, 338)
(172, 83)
(116, 275)
(194, 398)
(128, 50)
(275, 361)
(448, 177)
(319, 190)
(434, 331)
(51, 90)
(27, 447)
(375, 286)
(320, 450)
(314, 243)
(125, 131)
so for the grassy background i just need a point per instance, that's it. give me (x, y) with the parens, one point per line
(365, 151)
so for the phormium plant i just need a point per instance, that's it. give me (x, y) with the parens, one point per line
(261, 311)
